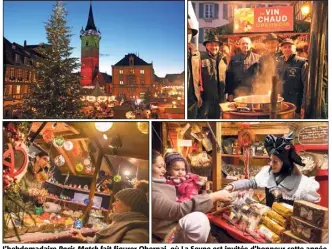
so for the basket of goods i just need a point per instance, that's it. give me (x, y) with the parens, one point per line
(200, 164)
(312, 164)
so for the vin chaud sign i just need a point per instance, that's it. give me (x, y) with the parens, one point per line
(273, 19)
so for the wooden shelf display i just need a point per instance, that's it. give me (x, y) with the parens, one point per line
(76, 189)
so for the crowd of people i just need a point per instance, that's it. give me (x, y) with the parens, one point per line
(214, 76)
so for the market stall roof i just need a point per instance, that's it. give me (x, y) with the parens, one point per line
(124, 144)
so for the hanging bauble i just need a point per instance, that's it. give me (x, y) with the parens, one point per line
(143, 127)
(76, 152)
(133, 181)
(103, 126)
(88, 169)
(59, 160)
(68, 145)
(79, 167)
(24, 127)
(87, 161)
(117, 178)
(48, 135)
(58, 141)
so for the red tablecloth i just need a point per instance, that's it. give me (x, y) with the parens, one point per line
(233, 231)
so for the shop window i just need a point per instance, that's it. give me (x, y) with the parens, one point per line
(20, 75)
(17, 89)
(17, 58)
(208, 11)
(12, 74)
(8, 90)
(131, 61)
(225, 11)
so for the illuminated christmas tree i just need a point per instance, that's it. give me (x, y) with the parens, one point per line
(57, 91)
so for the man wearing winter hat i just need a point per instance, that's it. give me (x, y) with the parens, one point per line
(213, 78)
(272, 50)
(293, 72)
(282, 180)
(241, 70)
(129, 221)
(194, 100)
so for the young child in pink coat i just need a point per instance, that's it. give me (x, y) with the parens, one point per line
(178, 174)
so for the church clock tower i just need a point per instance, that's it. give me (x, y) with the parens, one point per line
(90, 38)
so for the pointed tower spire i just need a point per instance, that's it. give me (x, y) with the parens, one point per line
(91, 23)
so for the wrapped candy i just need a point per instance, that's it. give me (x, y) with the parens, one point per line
(277, 217)
(268, 234)
(273, 226)
(283, 209)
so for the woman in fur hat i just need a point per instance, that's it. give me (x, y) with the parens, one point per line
(282, 180)
(129, 220)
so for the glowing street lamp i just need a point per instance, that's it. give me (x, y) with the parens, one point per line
(305, 10)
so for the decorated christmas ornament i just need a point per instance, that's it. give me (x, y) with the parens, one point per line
(143, 127)
(88, 169)
(68, 145)
(59, 160)
(76, 152)
(117, 178)
(58, 141)
(87, 161)
(48, 135)
(79, 167)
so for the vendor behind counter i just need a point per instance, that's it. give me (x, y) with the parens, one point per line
(282, 180)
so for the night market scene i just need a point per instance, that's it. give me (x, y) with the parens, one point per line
(240, 182)
(257, 60)
(93, 60)
(75, 182)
